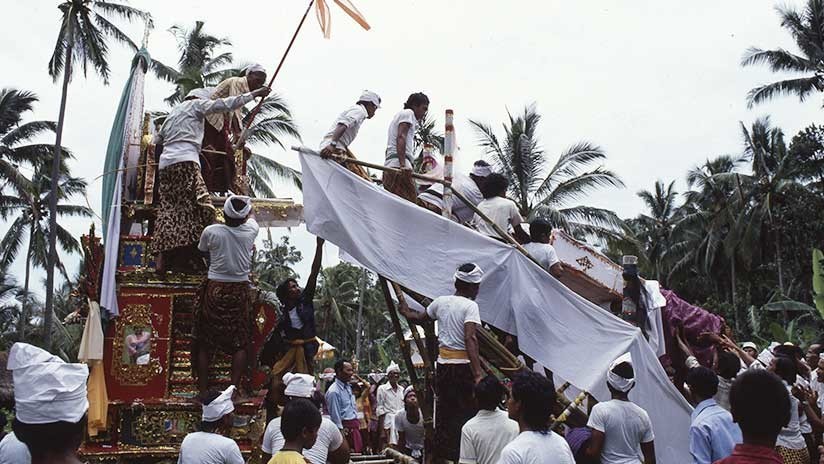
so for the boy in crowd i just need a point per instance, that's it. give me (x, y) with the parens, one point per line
(299, 425)
(500, 209)
(713, 434)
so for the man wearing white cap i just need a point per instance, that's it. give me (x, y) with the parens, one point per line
(329, 446)
(621, 430)
(409, 436)
(209, 445)
(390, 402)
(470, 187)
(340, 136)
(224, 317)
(458, 367)
(185, 206)
(230, 121)
(50, 405)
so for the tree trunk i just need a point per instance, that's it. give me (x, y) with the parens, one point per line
(24, 310)
(360, 315)
(733, 295)
(778, 263)
(55, 184)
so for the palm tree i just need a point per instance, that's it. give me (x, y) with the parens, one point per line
(659, 224)
(32, 223)
(273, 121)
(807, 29)
(84, 28)
(572, 177)
(14, 137)
(201, 63)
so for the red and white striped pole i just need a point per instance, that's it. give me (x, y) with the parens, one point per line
(448, 153)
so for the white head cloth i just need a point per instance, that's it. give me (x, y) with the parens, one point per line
(220, 406)
(201, 94)
(393, 367)
(472, 277)
(299, 385)
(376, 376)
(371, 97)
(616, 381)
(481, 170)
(46, 388)
(327, 376)
(408, 390)
(749, 345)
(254, 68)
(230, 211)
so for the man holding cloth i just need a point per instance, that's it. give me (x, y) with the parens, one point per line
(458, 367)
(210, 445)
(390, 402)
(50, 406)
(345, 128)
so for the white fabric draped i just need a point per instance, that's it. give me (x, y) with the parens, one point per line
(421, 250)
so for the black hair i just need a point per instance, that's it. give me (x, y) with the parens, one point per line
(785, 369)
(728, 365)
(282, 291)
(790, 351)
(624, 370)
(51, 438)
(339, 365)
(496, 184)
(538, 228)
(703, 382)
(489, 392)
(636, 293)
(299, 415)
(210, 426)
(760, 404)
(536, 394)
(416, 99)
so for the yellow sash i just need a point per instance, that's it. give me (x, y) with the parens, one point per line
(449, 353)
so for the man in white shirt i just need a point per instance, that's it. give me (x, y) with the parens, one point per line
(185, 207)
(621, 430)
(224, 319)
(531, 402)
(13, 451)
(329, 446)
(485, 435)
(209, 445)
(340, 136)
(390, 402)
(470, 187)
(400, 147)
(499, 209)
(540, 232)
(409, 427)
(458, 367)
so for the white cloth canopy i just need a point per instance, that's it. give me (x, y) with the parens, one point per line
(553, 324)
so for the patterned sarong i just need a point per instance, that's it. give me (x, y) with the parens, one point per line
(185, 208)
(357, 169)
(794, 456)
(224, 320)
(354, 436)
(454, 406)
(400, 186)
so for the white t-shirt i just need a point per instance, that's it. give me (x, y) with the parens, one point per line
(790, 436)
(230, 250)
(13, 451)
(625, 426)
(484, 437)
(413, 432)
(537, 448)
(352, 118)
(407, 116)
(329, 439)
(452, 312)
(209, 448)
(460, 211)
(544, 253)
(502, 211)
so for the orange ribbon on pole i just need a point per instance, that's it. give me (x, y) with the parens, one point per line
(324, 15)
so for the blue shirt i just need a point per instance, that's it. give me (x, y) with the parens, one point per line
(341, 403)
(713, 434)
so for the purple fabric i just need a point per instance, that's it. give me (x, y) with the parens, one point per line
(577, 438)
(695, 321)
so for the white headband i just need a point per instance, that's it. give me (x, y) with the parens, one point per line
(408, 390)
(299, 385)
(46, 388)
(201, 94)
(472, 277)
(220, 406)
(481, 170)
(393, 367)
(229, 209)
(371, 97)
(254, 68)
(616, 381)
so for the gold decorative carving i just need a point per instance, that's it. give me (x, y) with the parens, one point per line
(163, 427)
(134, 374)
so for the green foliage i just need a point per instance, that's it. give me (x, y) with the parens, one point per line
(818, 280)
(273, 264)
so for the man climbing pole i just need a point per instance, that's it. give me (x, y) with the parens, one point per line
(345, 128)
(459, 366)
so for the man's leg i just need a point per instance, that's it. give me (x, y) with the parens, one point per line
(239, 365)
(203, 358)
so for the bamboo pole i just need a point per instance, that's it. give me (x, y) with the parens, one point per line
(448, 153)
(569, 410)
(399, 457)
(427, 362)
(396, 324)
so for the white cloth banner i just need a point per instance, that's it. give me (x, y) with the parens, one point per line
(421, 250)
